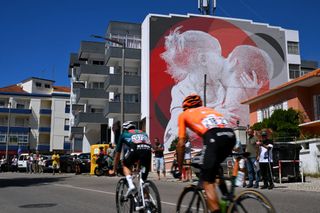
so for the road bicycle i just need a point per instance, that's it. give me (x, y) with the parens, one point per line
(145, 198)
(192, 199)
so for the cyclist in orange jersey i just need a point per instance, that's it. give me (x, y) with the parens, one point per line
(218, 142)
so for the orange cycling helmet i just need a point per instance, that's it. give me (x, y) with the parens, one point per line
(191, 101)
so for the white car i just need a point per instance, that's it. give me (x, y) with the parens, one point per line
(22, 162)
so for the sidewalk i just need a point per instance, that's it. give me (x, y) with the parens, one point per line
(311, 184)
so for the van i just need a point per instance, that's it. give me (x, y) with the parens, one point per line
(22, 162)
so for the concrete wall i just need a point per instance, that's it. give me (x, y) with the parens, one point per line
(310, 157)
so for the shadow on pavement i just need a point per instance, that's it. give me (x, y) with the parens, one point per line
(25, 182)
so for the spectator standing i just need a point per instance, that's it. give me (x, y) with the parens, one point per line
(253, 149)
(3, 163)
(55, 162)
(159, 157)
(265, 160)
(41, 164)
(14, 164)
(29, 163)
(186, 170)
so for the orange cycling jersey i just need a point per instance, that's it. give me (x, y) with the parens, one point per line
(200, 120)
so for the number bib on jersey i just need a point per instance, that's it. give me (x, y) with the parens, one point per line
(212, 121)
(138, 138)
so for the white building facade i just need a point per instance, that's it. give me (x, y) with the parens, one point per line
(34, 116)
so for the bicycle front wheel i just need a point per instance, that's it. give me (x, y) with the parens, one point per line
(191, 200)
(251, 201)
(124, 204)
(152, 197)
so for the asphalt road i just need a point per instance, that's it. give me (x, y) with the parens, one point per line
(24, 193)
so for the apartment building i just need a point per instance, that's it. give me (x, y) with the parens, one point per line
(34, 116)
(96, 86)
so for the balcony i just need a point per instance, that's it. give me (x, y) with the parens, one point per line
(114, 54)
(16, 111)
(84, 94)
(89, 49)
(45, 111)
(16, 129)
(89, 69)
(78, 84)
(44, 129)
(113, 109)
(83, 118)
(113, 82)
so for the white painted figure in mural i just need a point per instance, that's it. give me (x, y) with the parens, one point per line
(190, 55)
(246, 70)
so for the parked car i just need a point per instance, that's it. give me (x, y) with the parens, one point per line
(22, 162)
(84, 161)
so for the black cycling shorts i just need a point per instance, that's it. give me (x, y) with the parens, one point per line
(217, 146)
(139, 153)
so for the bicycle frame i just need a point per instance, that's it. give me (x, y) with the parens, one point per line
(139, 189)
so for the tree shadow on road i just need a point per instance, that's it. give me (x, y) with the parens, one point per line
(28, 181)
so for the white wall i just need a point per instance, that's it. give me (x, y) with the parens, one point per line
(145, 73)
(311, 157)
(35, 105)
(58, 117)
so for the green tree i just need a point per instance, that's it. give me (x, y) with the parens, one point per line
(284, 124)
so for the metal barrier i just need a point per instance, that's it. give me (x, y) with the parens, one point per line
(280, 162)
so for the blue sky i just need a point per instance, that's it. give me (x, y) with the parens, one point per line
(37, 36)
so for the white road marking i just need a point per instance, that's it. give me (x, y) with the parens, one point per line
(99, 191)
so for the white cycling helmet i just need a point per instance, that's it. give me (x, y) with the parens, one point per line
(128, 125)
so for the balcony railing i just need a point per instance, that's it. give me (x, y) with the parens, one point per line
(83, 118)
(114, 81)
(45, 111)
(85, 93)
(16, 111)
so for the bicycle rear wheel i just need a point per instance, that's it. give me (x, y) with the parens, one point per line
(191, 200)
(251, 201)
(152, 198)
(123, 204)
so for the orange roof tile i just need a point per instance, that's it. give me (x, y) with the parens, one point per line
(61, 89)
(12, 88)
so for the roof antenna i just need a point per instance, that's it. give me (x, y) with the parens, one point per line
(205, 6)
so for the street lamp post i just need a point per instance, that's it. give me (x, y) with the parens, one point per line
(8, 128)
(123, 45)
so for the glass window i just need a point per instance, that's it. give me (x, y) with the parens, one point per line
(20, 106)
(3, 138)
(38, 84)
(316, 99)
(293, 48)
(66, 122)
(294, 71)
(47, 86)
(2, 103)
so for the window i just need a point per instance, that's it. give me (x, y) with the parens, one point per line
(22, 122)
(3, 138)
(20, 106)
(293, 48)
(47, 86)
(294, 71)
(38, 84)
(97, 62)
(96, 110)
(316, 106)
(66, 122)
(2, 103)
(97, 85)
(131, 98)
(67, 107)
